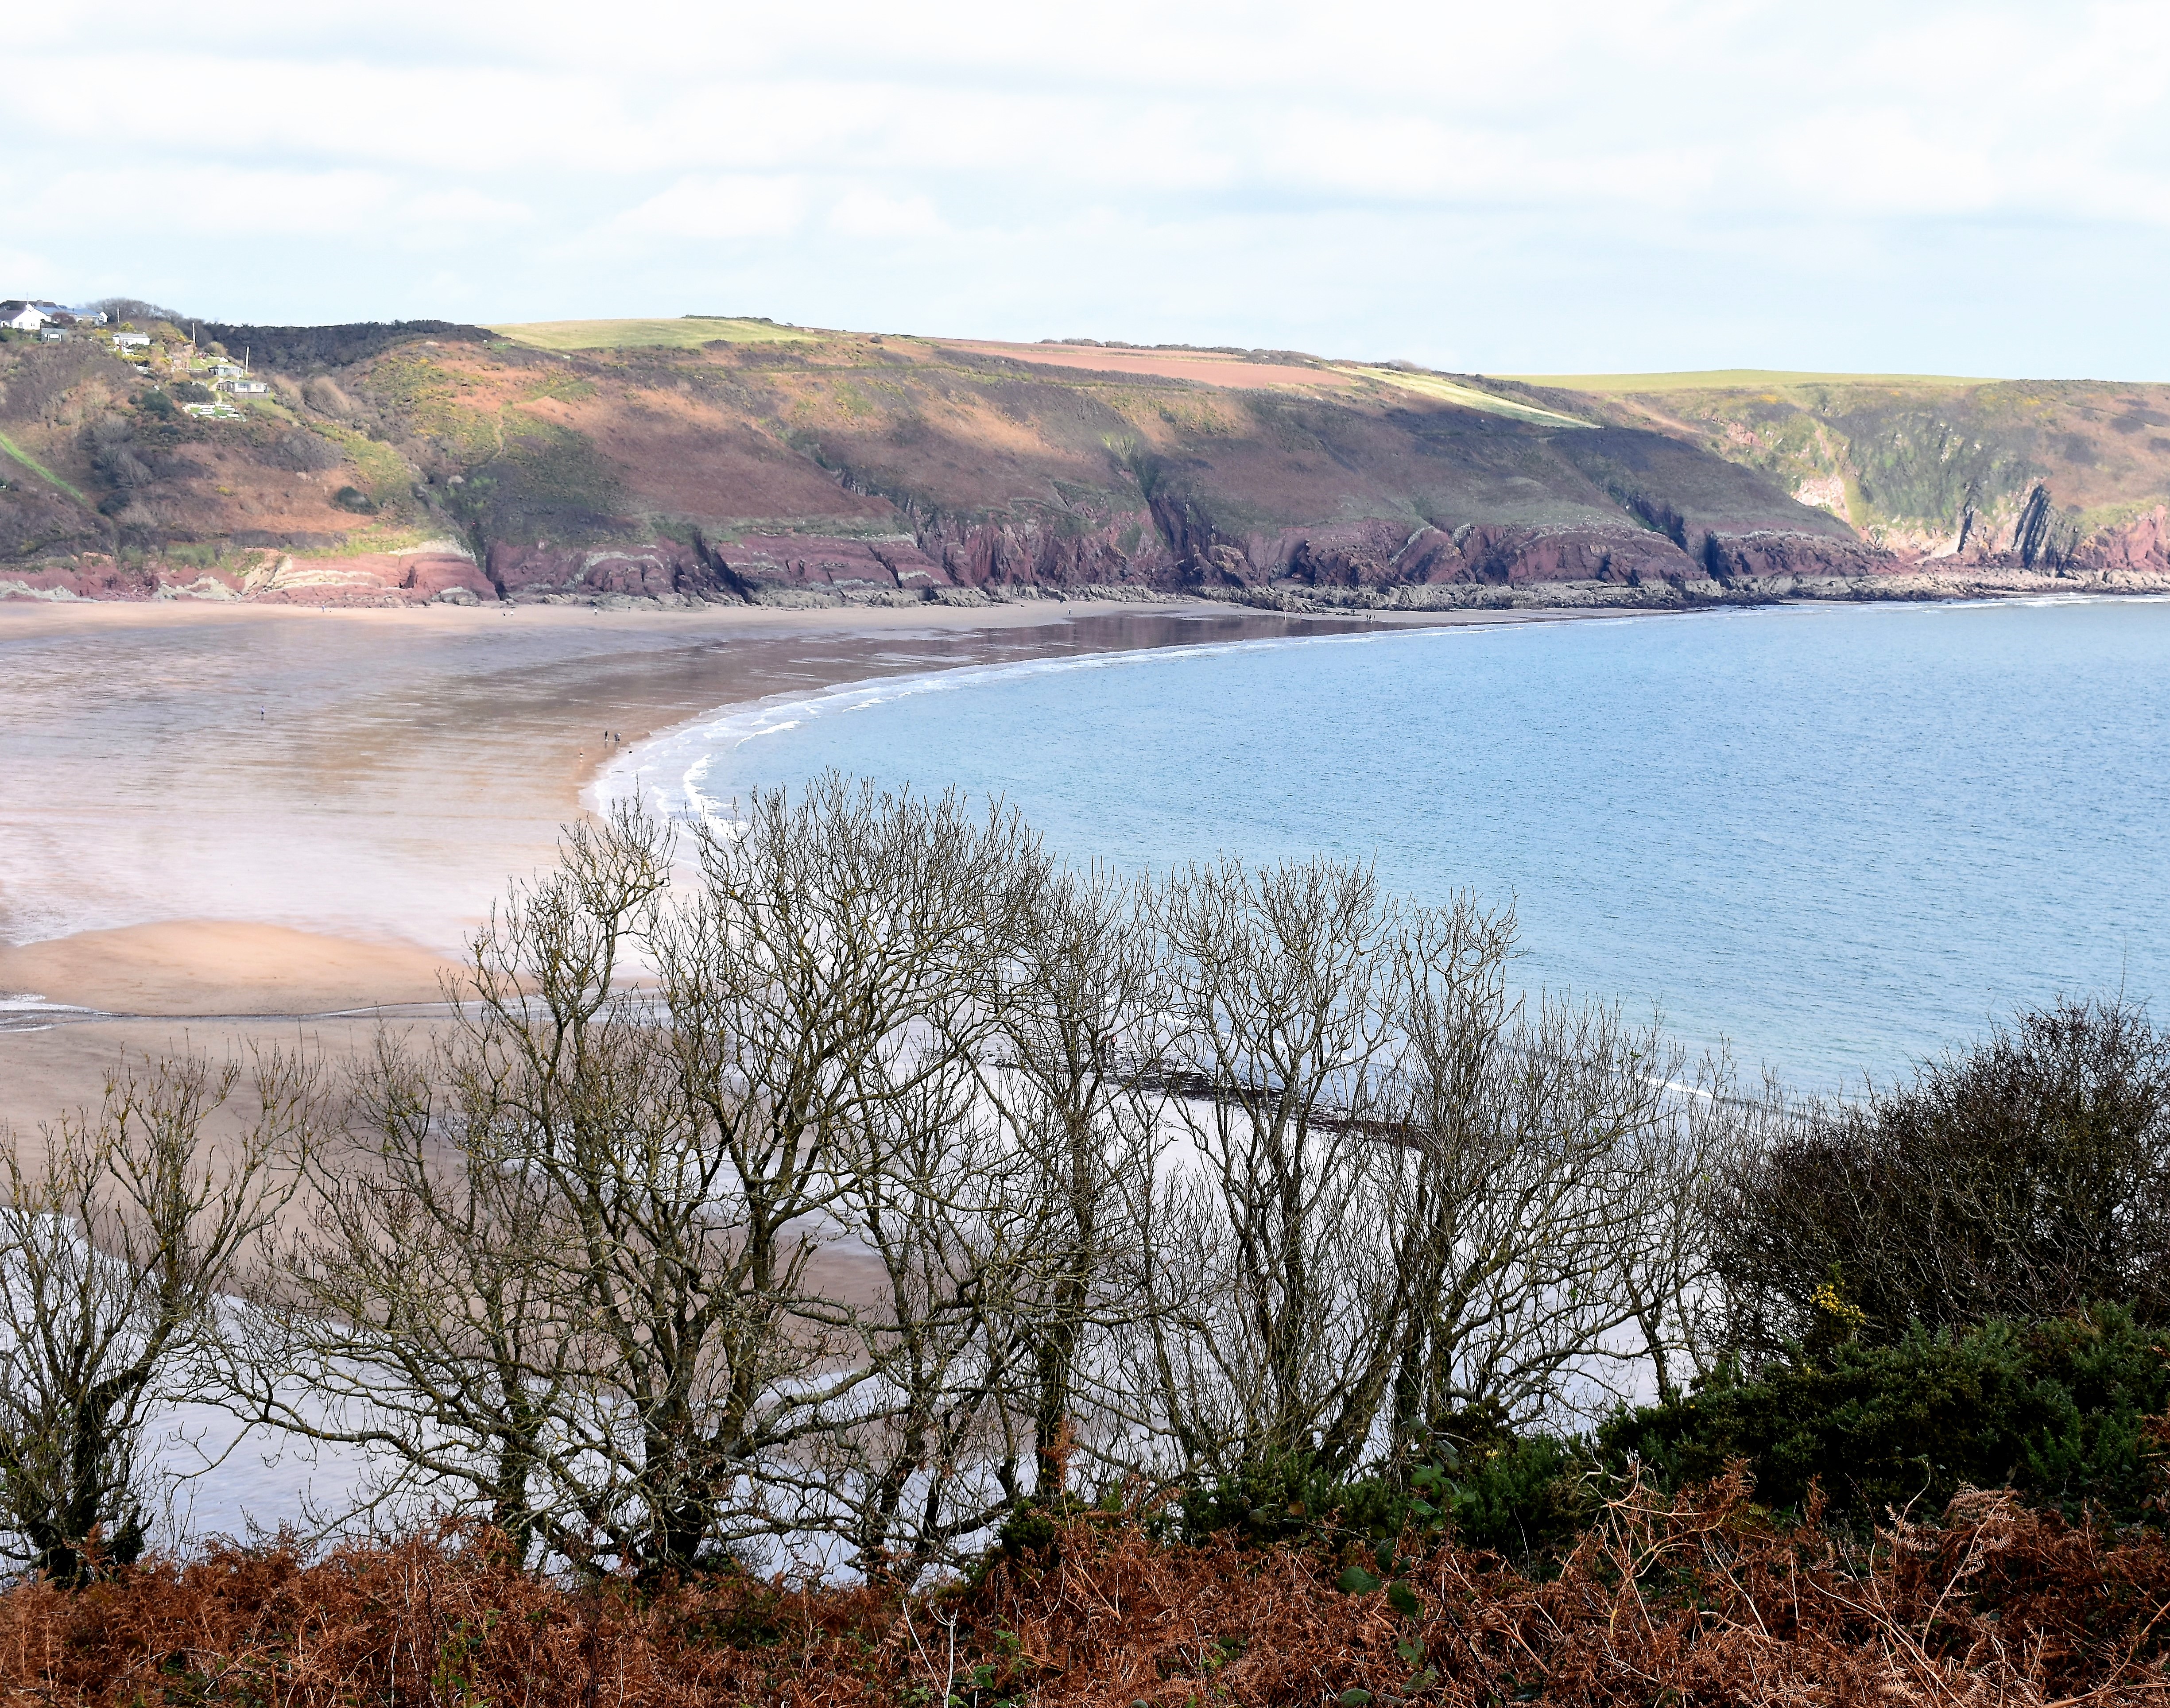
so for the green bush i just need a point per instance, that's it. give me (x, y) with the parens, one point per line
(193, 391)
(1524, 1497)
(2057, 1410)
(2018, 1178)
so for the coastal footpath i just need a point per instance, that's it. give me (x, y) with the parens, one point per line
(708, 460)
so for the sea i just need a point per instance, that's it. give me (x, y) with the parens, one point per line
(1833, 839)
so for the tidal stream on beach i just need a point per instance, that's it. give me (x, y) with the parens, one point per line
(1840, 837)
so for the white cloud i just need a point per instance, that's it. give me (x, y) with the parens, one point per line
(861, 212)
(26, 267)
(244, 204)
(467, 209)
(712, 208)
(1462, 179)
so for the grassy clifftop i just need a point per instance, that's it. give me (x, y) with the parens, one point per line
(687, 332)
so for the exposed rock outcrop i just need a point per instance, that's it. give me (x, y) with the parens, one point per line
(2140, 547)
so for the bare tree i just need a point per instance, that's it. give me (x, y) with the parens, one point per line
(1408, 1204)
(430, 1311)
(850, 1190)
(920, 1456)
(118, 1234)
(625, 1261)
(825, 974)
(1670, 1180)
(1287, 1282)
(1513, 1207)
(420, 1314)
(1081, 1014)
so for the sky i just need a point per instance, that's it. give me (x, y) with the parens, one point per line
(1550, 186)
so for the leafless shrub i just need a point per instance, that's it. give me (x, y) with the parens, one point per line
(858, 1187)
(1403, 1201)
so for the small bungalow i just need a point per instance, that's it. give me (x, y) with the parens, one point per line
(18, 315)
(132, 341)
(244, 388)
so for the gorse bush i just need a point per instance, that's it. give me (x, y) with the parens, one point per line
(2058, 1409)
(1525, 1497)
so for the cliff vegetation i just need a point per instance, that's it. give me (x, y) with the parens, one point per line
(712, 458)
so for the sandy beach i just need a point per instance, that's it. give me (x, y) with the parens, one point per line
(217, 820)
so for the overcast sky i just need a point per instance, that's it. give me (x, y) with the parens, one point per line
(1511, 186)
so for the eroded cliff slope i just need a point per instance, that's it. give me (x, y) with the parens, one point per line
(720, 460)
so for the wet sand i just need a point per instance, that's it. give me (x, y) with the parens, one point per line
(221, 817)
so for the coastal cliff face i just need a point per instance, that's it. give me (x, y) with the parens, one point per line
(1949, 476)
(404, 464)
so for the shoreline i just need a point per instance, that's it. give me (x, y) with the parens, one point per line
(255, 957)
(627, 774)
(298, 813)
(613, 783)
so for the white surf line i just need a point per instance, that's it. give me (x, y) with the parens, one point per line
(660, 773)
(28, 1012)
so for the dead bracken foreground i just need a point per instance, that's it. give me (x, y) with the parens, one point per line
(1701, 1599)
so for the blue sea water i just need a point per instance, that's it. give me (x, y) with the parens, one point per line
(1840, 837)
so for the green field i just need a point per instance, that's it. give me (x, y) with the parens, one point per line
(689, 332)
(1728, 380)
(1468, 397)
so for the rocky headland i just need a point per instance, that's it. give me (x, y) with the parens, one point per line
(730, 461)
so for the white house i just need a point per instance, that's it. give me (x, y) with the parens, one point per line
(132, 341)
(22, 316)
(244, 388)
